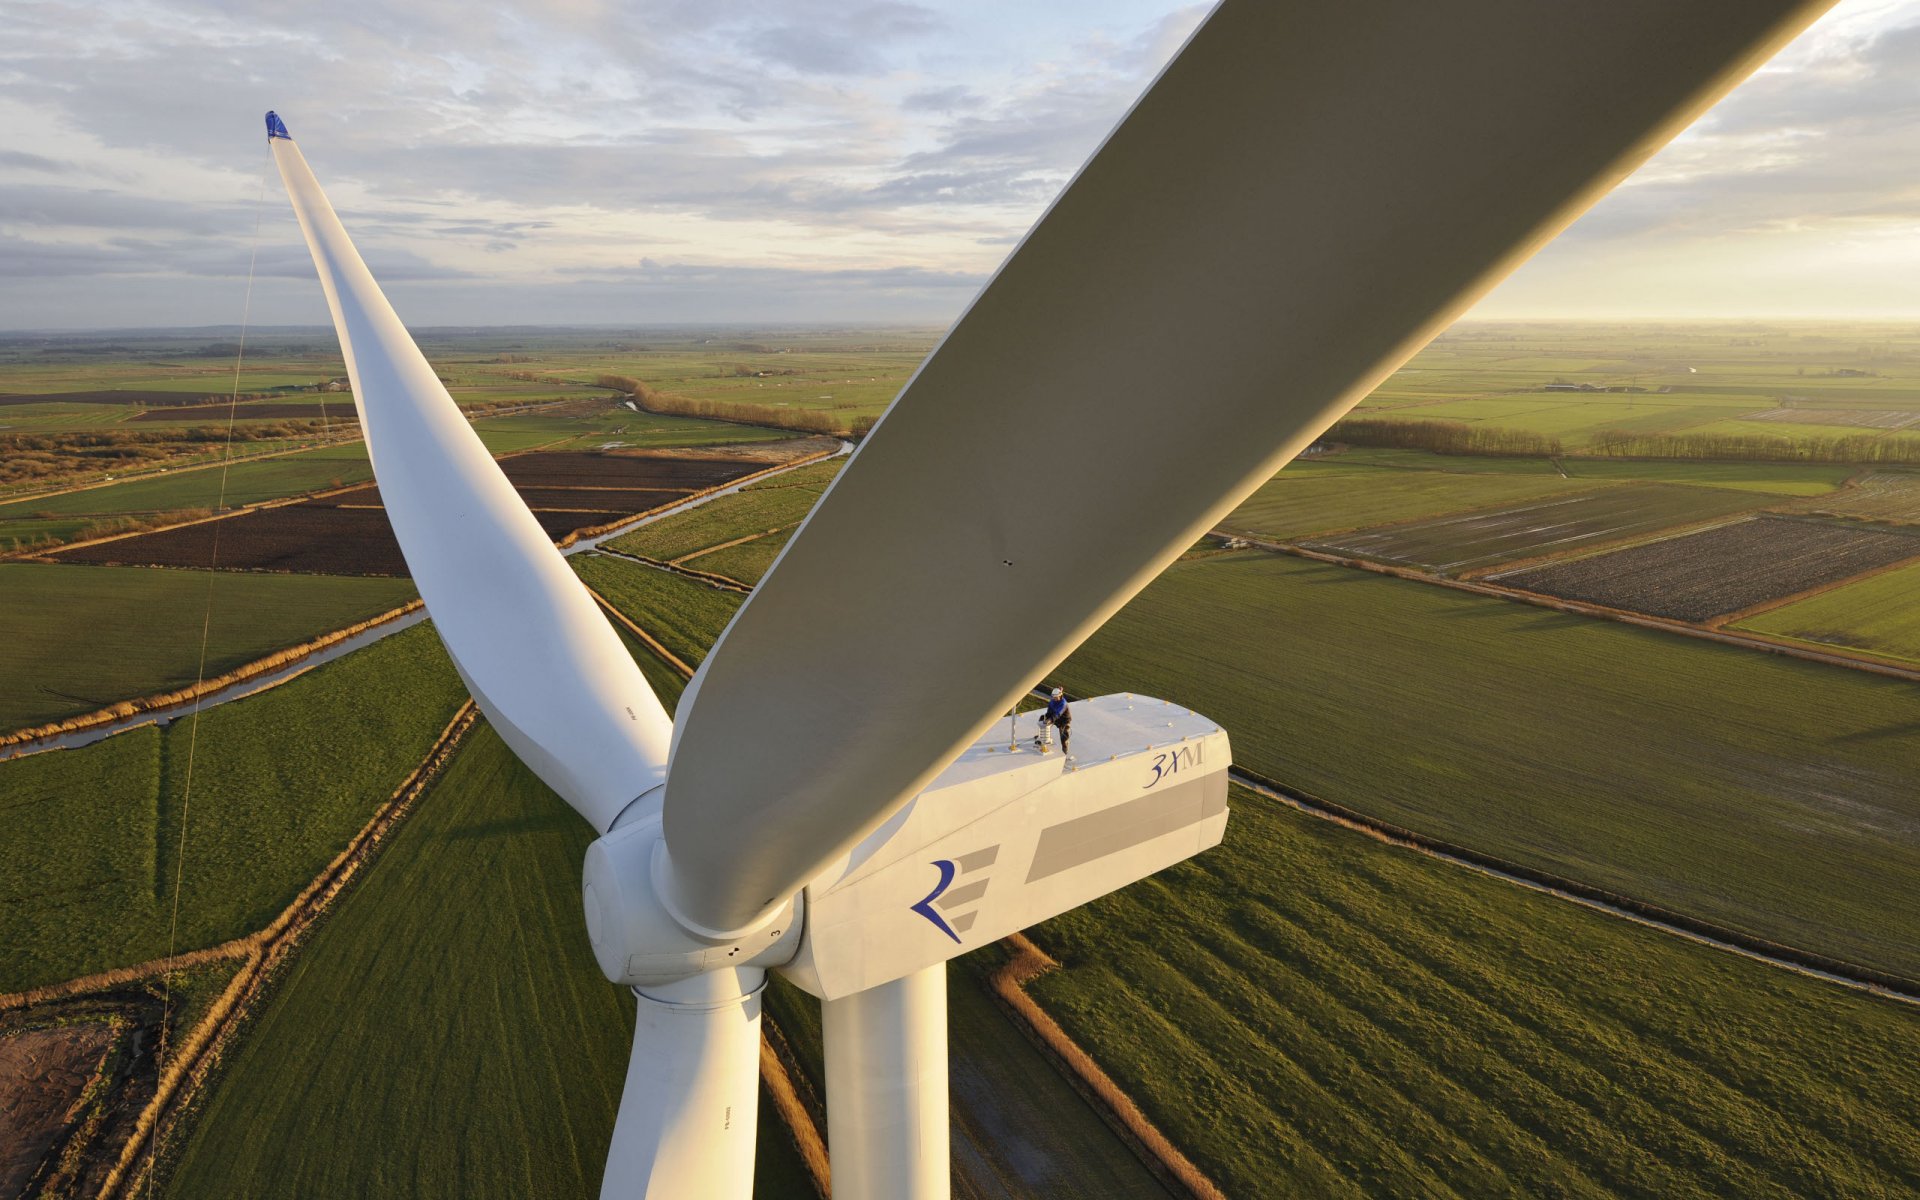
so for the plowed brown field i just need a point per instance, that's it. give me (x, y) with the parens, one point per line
(347, 533)
(1723, 570)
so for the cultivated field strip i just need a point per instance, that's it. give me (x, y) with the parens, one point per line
(1728, 569)
(1465, 542)
(1309, 1012)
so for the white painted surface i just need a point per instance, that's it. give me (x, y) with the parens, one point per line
(887, 1098)
(1004, 840)
(551, 675)
(688, 1114)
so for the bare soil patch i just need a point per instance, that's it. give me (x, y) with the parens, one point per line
(74, 1076)
(45, 1075)
(1727, 569)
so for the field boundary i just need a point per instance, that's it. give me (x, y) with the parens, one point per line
(652, 643)
(739, 541)
(1007, 984)
(1678, 924)
(723, 582)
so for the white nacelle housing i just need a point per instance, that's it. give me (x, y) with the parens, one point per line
(1005, 838)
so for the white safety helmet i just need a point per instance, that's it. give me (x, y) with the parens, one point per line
(1059, 693)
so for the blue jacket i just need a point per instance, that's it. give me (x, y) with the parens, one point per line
(1057, 711)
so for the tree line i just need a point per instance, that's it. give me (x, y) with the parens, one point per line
(800, 420)
(1756, 447)
(1442, 437)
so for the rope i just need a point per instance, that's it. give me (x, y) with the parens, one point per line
(193, 728)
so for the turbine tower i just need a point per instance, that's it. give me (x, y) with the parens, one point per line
(1309, 192)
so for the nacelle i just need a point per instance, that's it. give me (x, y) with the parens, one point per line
(1007, 837)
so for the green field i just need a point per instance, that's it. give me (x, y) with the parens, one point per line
(684, 614)
(1309, 1013)
(446, 1032)
(90, 839)
(749, 561)
(718, 521)
(1877, 615)
(1322, 495)
(75, 639)
(1770, 794)
(598, 425)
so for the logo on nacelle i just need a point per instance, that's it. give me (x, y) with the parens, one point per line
(1183, 757)
(939, 904)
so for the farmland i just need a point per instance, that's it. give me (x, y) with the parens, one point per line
(89, 838)
(1771, 795)
(1318, 496)
(1553, 525)
(346, 533)
(1700, 576)
(486, 1051)
(141, 630)
(1310, 1013)
(1302, 1010)
(743, 514)
(1359, 1020)
(1876, 615)
(1888, 496)
(684, 614)
(67, 514)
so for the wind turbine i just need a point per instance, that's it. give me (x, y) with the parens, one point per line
(1309, 192)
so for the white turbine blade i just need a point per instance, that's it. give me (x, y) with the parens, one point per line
(542, 662)
(1308, 194)
(687, 1116)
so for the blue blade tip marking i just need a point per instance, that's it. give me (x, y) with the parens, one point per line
(276, 128)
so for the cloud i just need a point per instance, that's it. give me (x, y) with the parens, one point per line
(519, 143)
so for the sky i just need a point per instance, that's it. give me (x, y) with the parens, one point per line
(636, 162)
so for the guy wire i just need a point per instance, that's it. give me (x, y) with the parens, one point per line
(193, 727)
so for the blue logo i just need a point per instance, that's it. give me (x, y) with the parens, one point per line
(925, 907)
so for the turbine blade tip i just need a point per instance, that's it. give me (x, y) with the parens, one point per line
(276, 128)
